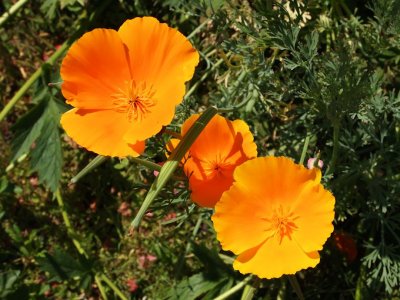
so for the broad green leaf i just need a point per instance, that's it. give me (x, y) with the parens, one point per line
(192, 288)
(47, 155)
(37, 133)
(7, 282)
(62, 266)
(27, 130)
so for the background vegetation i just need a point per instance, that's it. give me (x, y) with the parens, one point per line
(320, 73)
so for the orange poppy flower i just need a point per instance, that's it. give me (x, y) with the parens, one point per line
(124, 85)
(276, 217)
(211, 160)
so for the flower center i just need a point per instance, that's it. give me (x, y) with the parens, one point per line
(135, 100)
(218, 168)
(281, 223)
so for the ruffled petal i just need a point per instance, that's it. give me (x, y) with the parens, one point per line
(272, 259)
(158, 53)
(207, 192)
(315, 208)
(244, 146)
(94, 69)
(100, 131)
(216, 140)
(276, 179)
(238, 219)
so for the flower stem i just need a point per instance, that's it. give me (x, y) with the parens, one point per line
(67, 222)
(305, 148)
(100, 286)
(113, 287)
(234, 289)
(296, 286)
(187, 249)
(173, 134)
(72, 234)
(197, 29)
(173, 161)
(13, 9)
(98, 160)
(56, 55)
(202, 78)
(332, 163)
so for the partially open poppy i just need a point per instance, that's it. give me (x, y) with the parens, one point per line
(276, 216)
(124, 85)
(211, 160)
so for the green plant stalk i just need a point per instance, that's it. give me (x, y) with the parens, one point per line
(305, 148)
(32, 80)
(332, 162)
(98, 160)
(101, 288)
(202, 78)
(67, 222)
(56, 55)
(149, 164)
(173, 134)
(248, 292)
(197, 29)
(173, 161)
(113, 287)
(13, 9)
(234, 289)
(296, 286)
(188, 245)
(71, 233)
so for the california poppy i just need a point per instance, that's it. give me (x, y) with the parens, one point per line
(276, 216)
(211, 160)
(124, 85)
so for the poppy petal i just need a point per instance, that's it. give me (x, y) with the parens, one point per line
(315, 207)
(100, 131)
(150, 124)
(277, 179)
(238, 220)
(158, 53)
(216, 140)
(272, 259)
(94, 69)
(206, 193)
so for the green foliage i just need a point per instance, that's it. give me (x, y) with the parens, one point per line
(290, 69)
(60, 266)
(37, 133)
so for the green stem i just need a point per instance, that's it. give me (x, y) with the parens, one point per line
(70, 230)
(94, 163)
(305, 148)
(13, 9)
(173, 161)
(296, 286)
(248, 292)
(234, 289)
(187, 249)
(113, 287)
(56, 55)
(197, 29)
(332, 163)
(202, 78)
(18, 95)
(71, 233)
(172, 133)
(101, 287)
(153, 166)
